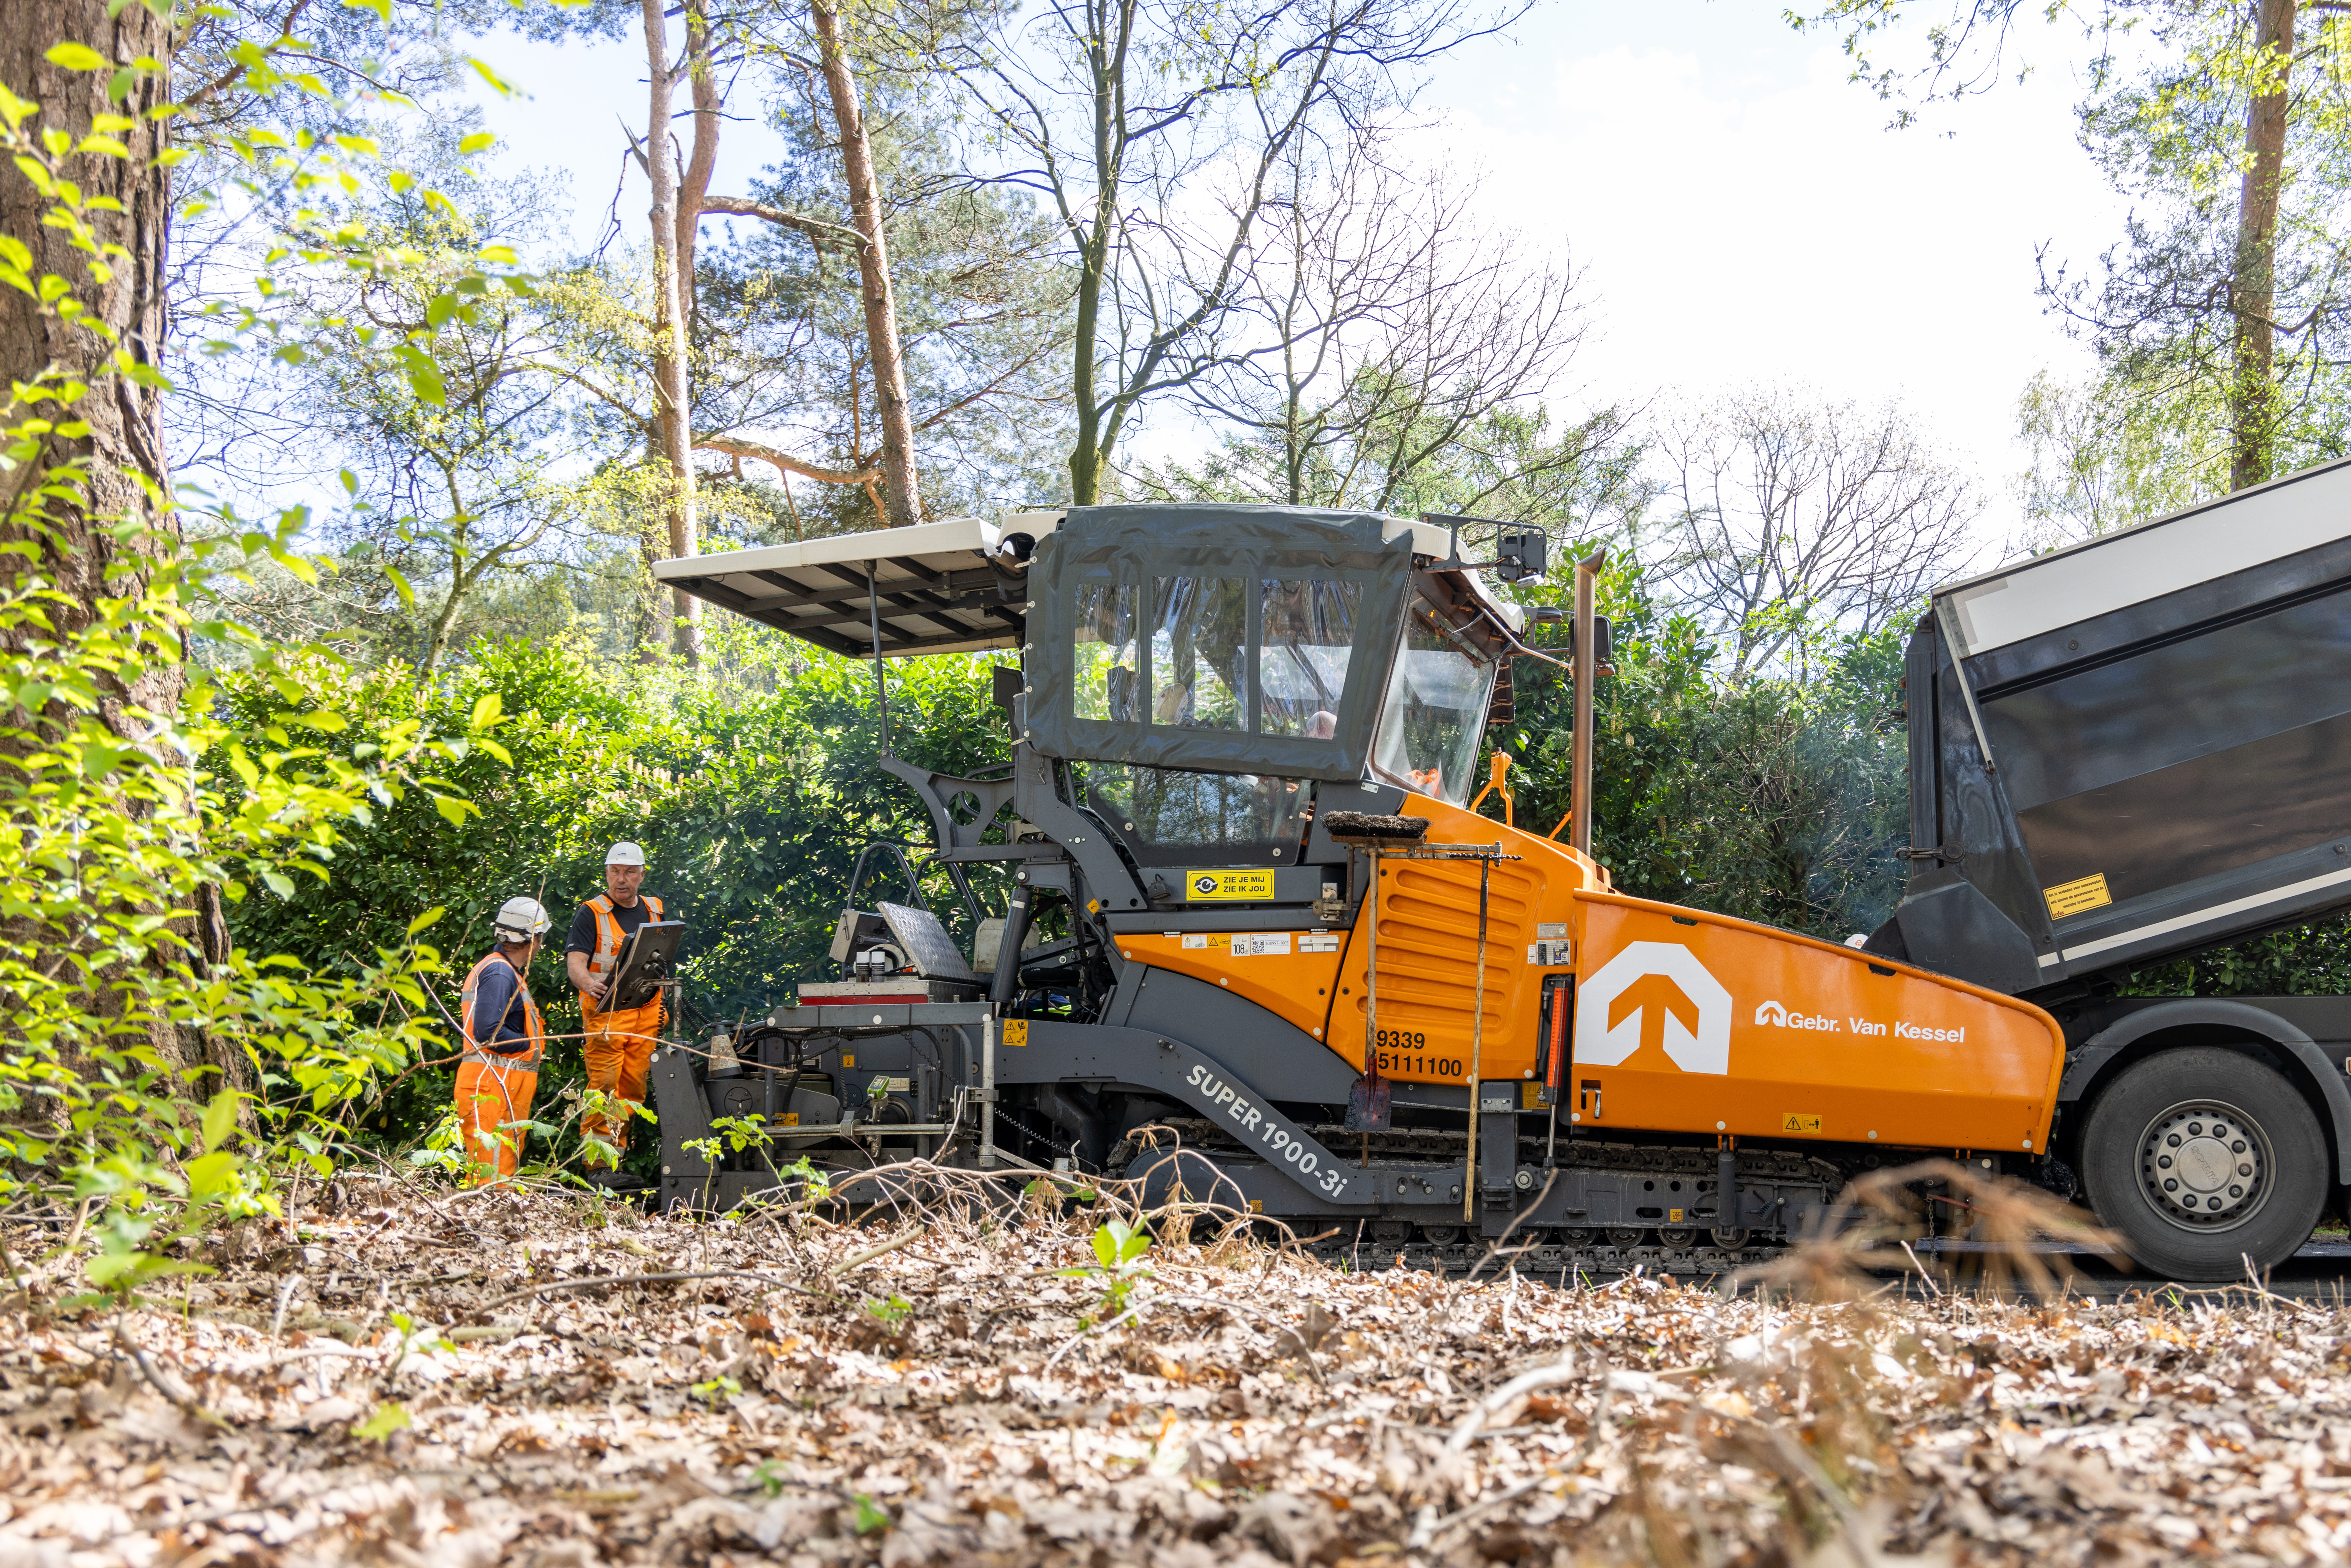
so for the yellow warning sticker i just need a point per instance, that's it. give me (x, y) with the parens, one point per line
(2074, 897)
(1257, 1206)
(1797, 1122)
(788, 1119)
(1015, 1032)
(1230, 887)
(1673, 1217)
(1530, 1097)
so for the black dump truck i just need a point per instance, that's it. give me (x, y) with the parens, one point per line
(2130, 751)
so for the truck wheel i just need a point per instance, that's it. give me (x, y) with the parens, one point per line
(2202, 1158)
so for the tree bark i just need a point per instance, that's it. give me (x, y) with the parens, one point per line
(2252, 389)
(125, 438)
(128, 477)
(1107, 65)
(694, 186)
(671, 411)
(901, 504)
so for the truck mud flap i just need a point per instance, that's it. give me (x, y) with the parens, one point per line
(1174, 1068)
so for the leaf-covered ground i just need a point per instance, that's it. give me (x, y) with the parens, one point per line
(821, 1400)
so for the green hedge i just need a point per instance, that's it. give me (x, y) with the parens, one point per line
(751, 806)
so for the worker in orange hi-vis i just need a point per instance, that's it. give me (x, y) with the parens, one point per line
(504, 1040)
(618, 1045)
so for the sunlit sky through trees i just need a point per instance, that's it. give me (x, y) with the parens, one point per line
(1739, 209)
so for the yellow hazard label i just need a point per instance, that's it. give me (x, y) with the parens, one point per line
(1673, 1217)
(1229, 886)
(1797, 1122)
(847, 1061)
(1530, 1096)
(1257, 1206)
(1015, 1032)
(2080, 894)
(788, 1119)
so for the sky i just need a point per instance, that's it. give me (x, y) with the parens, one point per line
(1738, 210)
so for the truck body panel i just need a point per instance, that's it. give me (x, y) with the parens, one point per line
(2136, 747)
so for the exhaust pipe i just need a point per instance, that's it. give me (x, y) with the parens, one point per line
(1007, 978)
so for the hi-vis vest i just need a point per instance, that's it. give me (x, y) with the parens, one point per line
(524, 1060)
(607, 955)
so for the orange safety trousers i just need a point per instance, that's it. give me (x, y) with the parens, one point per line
(618, 1048)
(490, 1096)
(495, 1090)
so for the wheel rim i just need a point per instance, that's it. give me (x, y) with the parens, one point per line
(1678, 1239)
(1728, 1237)
(2205, 1165)
(1624, 1235)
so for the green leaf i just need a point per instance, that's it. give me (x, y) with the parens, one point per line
(133, 1269)
(220, 1117)
(81, 56)
(427, 920)
(209, 1175)
(387, 1418)
(486, 708)
(505, 89)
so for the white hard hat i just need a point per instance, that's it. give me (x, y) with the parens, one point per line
(522, 919)
(625, 853)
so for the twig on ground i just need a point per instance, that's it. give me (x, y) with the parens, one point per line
(1428, 1528)
(284, 1299)
(1304, 1349)
(1070, 1344)
(905, 1239)
(186, 1402)
(599, 1282)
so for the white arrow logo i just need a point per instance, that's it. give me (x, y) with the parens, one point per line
(1693, 1027)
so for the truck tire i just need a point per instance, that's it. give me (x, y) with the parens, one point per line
(2213, 1129)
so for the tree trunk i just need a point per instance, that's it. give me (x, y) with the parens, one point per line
(671, 412)
(2252, 390)
(901, 506)
(1087, 456)
(128, 478)
(125, 428)
(708, 107)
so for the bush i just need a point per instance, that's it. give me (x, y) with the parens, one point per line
(1775, 797)
(751, 804)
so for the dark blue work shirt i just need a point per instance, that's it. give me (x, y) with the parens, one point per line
(498, 995)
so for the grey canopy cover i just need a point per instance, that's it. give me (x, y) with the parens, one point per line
(1139, 546)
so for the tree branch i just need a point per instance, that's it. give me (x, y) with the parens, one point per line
(817, 231)
(783, 462)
